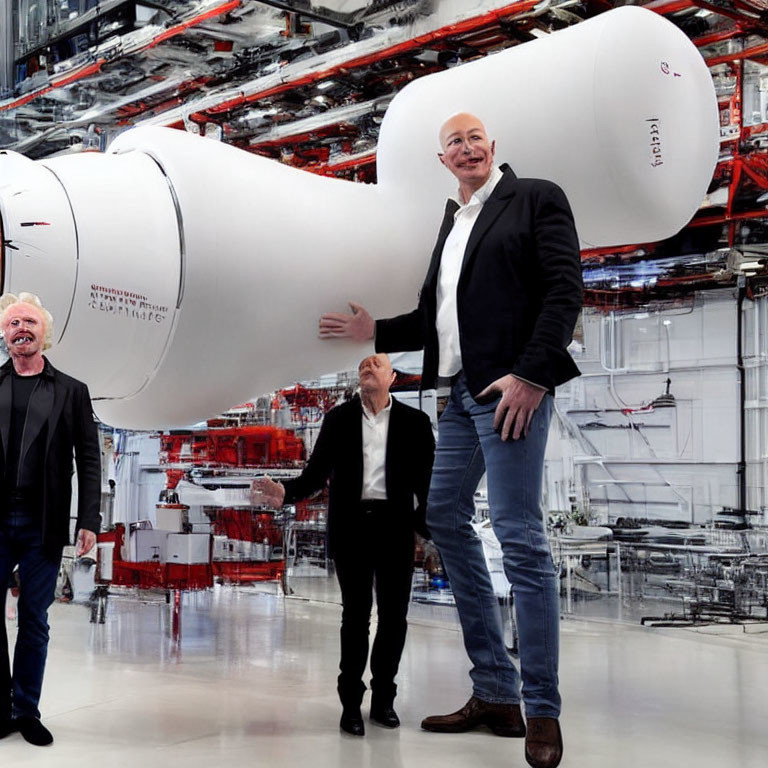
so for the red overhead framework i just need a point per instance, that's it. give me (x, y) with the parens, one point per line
(127, 113)
(442, 35)
(331, 150)
(92, 68)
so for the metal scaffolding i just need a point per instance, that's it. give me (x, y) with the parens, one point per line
(6, 48)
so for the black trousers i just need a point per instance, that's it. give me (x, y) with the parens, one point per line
(380, 558)
(20, 544)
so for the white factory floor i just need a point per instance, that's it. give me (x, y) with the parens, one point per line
(252, 684)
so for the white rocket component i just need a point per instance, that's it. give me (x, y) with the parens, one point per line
(185, 275)
(620, 111)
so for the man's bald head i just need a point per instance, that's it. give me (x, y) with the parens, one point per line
(461, 121)
(467, 152)
(376, 373)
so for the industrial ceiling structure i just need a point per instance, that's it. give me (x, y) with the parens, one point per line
(307, 83)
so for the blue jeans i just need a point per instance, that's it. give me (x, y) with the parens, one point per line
(468, 446)
(20, 544)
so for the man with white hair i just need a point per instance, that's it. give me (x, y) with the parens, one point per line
(45, 417)
(495, 315)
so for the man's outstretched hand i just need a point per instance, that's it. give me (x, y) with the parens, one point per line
(266, 492)
(359, 326)
(519, 400)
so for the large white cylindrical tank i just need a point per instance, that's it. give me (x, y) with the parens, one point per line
(194, 274)
(266, 249)
(186, 276)
(619, 110)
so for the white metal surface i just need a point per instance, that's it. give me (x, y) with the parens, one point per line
(148, 545)
(39, 233)
(171, 518)
(188, 548)
(128, 270)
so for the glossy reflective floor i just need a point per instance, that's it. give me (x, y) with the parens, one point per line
(252, 684)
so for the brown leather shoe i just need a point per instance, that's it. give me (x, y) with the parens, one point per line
(502, 719)
(543, 742)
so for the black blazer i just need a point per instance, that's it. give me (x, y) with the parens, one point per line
(519, 292)
(61, 404)
(338, 455)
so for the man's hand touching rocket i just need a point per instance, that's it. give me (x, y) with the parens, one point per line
(359, 326)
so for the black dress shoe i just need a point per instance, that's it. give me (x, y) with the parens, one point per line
(33, 731)
(7, 726)
(385, 716)
(352, 723)
(502, 719)
(544, 742)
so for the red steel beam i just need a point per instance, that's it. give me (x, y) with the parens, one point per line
(720, 37)
(664, 7)
(343, 129)
(755, 8)
(346, 165)
(747, 53)
(752, 130)
(708, 221)
(669, 6)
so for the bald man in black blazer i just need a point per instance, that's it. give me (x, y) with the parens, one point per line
(377, 454)
(495, 316)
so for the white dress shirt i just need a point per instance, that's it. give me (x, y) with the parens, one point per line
(448, 277)
(375, 430)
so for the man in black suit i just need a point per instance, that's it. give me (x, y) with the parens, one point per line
(378, 455)
(495, 315)
(45, 416)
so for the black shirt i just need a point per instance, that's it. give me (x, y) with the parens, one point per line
(22, 389)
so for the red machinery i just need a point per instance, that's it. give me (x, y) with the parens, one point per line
(244, 539)
(149, 574)
(247, 446)
(243, 544)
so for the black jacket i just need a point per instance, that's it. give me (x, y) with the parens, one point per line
(62, 405)
(338, 455)
(519, 292)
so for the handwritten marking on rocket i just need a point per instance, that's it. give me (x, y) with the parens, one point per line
(667, 71)
(655, 133)
(114, 301)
